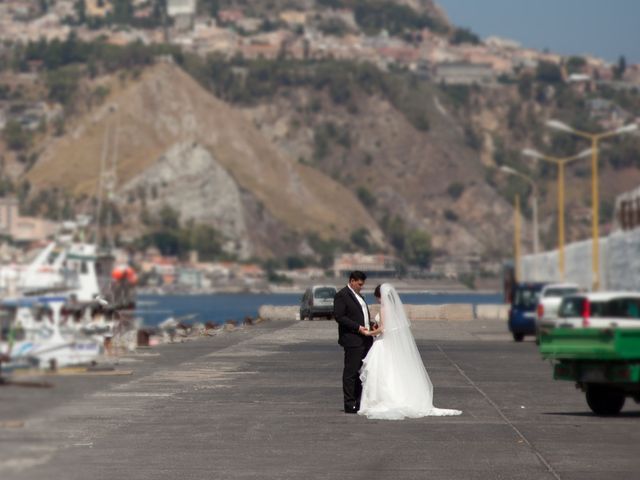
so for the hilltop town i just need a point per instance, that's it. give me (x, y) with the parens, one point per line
(447, 54)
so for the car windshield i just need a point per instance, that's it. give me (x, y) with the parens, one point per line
(560, 291)
(617, 308)
(324, 292)
(526, 297)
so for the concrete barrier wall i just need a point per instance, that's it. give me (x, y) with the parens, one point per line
(492, 312)
(449, 312)
(619, 263)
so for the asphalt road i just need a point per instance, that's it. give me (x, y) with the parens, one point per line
(264, 402)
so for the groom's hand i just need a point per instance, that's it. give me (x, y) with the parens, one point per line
(363, 331)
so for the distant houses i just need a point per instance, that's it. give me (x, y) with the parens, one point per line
(21, 229)
(464, 73)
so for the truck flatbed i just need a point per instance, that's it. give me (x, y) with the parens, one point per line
(591, 344)
(603, 362)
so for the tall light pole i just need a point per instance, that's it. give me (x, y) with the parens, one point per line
(560, 162)
(595, 200)
(516, 237)
(534, 189)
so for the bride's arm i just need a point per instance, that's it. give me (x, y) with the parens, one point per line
(380, 323)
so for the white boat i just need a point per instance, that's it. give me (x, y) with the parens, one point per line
(61, 317)
(35, 338)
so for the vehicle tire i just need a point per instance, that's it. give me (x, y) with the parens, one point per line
(518, 337)
(604, 400)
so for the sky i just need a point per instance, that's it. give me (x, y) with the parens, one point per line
(603, 28)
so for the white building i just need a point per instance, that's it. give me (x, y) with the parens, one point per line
(182, 12)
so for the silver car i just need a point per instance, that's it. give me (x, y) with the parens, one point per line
(317, 301)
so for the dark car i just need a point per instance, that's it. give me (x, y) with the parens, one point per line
(522, 314)
(317, 301)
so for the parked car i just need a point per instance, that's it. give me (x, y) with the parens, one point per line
(600, 310)
(317, 301)
(522, 314)
(550, 299)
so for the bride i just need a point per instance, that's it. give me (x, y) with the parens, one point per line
(395, 383)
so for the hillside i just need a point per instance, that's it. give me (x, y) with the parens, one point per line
(165, 116)
(256, 177)
(296, 129)
(405, 171)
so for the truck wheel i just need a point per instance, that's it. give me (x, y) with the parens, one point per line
(518, 337)
(604, 400)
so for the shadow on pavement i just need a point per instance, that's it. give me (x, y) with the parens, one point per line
(591, 414)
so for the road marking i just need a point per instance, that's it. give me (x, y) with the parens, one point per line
(132, 394)
(12, 424)
(503, 416)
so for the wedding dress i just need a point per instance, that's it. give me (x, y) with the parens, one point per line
(395, 383)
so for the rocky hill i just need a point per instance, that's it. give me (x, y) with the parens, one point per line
(249, 171)
(177, 145)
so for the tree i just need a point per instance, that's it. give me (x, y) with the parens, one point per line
(63, 84)
(360, 238)
(366, 197)
(17, 138)
(525, 86)
(122, 11)
(169, 218)
(620, 68)
(464, 35)
(548, 72)
(576, 64)
(455, 190)
(418, 249)
(81, 11)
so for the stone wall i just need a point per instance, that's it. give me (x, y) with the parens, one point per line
(448, 312)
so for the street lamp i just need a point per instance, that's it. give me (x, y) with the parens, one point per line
(595, 139)
(534, 189)
(560, 162)
(516, 237)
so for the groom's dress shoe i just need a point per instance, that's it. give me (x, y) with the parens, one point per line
(350, 410)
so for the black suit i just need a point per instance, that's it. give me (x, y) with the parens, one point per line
(348, 313)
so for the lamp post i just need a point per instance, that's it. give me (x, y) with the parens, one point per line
(560, 162)
(534, 189)
(595, 206)
(516, 237)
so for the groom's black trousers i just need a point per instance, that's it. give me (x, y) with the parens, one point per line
(351, 385)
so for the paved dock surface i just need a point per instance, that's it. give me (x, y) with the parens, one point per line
(263, 402)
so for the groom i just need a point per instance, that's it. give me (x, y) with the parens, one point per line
(354, 335)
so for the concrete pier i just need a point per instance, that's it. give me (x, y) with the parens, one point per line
(264, 402)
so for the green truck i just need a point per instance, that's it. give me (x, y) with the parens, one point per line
(603, 362)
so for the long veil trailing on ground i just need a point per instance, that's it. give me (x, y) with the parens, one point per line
(396, 383)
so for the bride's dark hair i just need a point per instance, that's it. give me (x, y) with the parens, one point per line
(376, 292)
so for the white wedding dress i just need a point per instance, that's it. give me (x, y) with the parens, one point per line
(395, 383)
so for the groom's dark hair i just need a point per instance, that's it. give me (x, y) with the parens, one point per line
(357, 275)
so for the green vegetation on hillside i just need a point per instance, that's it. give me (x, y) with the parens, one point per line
(172, 237)
(247, 82)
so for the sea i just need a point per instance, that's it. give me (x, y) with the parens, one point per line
(223, 307)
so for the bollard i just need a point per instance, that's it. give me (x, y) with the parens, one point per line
(143, 338)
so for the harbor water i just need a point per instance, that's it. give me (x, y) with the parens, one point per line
(222, 307)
